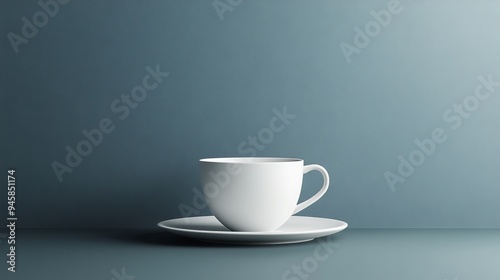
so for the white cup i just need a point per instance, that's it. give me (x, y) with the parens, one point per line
(256, 194)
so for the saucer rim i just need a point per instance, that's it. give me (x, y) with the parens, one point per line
(342, 225)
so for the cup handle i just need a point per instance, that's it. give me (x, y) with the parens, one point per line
(318, 195)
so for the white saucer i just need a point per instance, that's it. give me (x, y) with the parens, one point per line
(296, 229)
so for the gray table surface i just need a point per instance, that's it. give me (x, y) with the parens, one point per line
(352, 254)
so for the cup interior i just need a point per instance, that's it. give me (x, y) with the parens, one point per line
(243, 160)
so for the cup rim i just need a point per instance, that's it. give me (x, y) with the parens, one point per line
(251, 160)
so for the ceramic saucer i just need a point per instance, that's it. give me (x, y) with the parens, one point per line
(296, 229)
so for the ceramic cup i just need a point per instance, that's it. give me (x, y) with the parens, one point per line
(256, 194)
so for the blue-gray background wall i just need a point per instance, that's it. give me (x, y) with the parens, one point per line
(227, 74)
